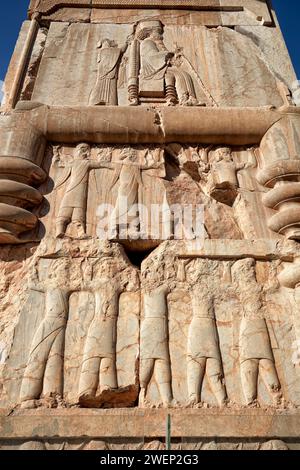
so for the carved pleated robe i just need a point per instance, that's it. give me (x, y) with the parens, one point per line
(153, 61)
(254, 340)
(105, 89)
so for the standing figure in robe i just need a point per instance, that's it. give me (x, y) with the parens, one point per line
(155, 355)
(203, 349)
(74, 201)
(256, 355)
(43, 375)
(128, 173)
(105, 91)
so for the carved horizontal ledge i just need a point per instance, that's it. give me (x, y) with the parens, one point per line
(132, 125)
(122, 423)
(257, 8)
(268, 249)
(262, 249)
(48, 6)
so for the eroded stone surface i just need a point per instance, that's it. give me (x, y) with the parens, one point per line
(115, 121)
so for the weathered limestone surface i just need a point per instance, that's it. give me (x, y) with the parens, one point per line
(149, 229)
(240, 76)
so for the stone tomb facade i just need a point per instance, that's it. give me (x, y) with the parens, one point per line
(109, 323)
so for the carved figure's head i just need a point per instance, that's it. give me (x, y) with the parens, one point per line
(223, 154)
(106, 43)
(151, 28)
(82, 151)
(130, 154)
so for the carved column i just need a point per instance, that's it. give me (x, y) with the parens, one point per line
(21, 155)
(280, 172)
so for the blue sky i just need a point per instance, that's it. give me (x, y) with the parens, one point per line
(14, 12)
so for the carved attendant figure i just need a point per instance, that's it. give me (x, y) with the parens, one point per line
(223, 168)
(99, 373)
(44, 371)
(73, 204)
(99, 358)
(154, 344)
(222, 179)
(256, 356)
(203, 350)
(109, 59)
(128, 172)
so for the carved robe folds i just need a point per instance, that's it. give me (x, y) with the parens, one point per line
(105, 90)
(150, 228)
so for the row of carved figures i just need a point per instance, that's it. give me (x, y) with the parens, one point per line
(44, 372)
(216, 168)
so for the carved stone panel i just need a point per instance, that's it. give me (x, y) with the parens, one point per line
(169, 67)
(149, 228)
(77, 338)
(222, 323)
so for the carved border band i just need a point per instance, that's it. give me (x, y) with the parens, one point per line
(148, 423)
(261, 10)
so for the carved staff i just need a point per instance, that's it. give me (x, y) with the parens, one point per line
(134, 68)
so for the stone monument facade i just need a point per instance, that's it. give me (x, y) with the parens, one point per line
(123, 124)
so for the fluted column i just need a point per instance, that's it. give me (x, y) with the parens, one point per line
(280, 172)
(21, 153)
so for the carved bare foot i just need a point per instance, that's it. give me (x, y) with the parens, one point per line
(253, 404)
(134, 102)
(171, 102)
(28, 405)
(277, 399)
(193, 401)
(60, 233)
(170, 403)
(223, 403)
(192, 102)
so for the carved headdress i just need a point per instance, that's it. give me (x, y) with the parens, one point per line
(144, 28)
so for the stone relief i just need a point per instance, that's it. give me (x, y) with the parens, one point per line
(255, 352)
(99, 365)
(128, 177)
(155, 72)
(279, 173)
(156, 64)
(134, 180)
(44, 370)
(150, 445)
(105, 91)
(223, 181)
(74, 203)
(145, 320)
(155, 355)
(64, 365)
(203, 350)
(182, 334)
(138, 178)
